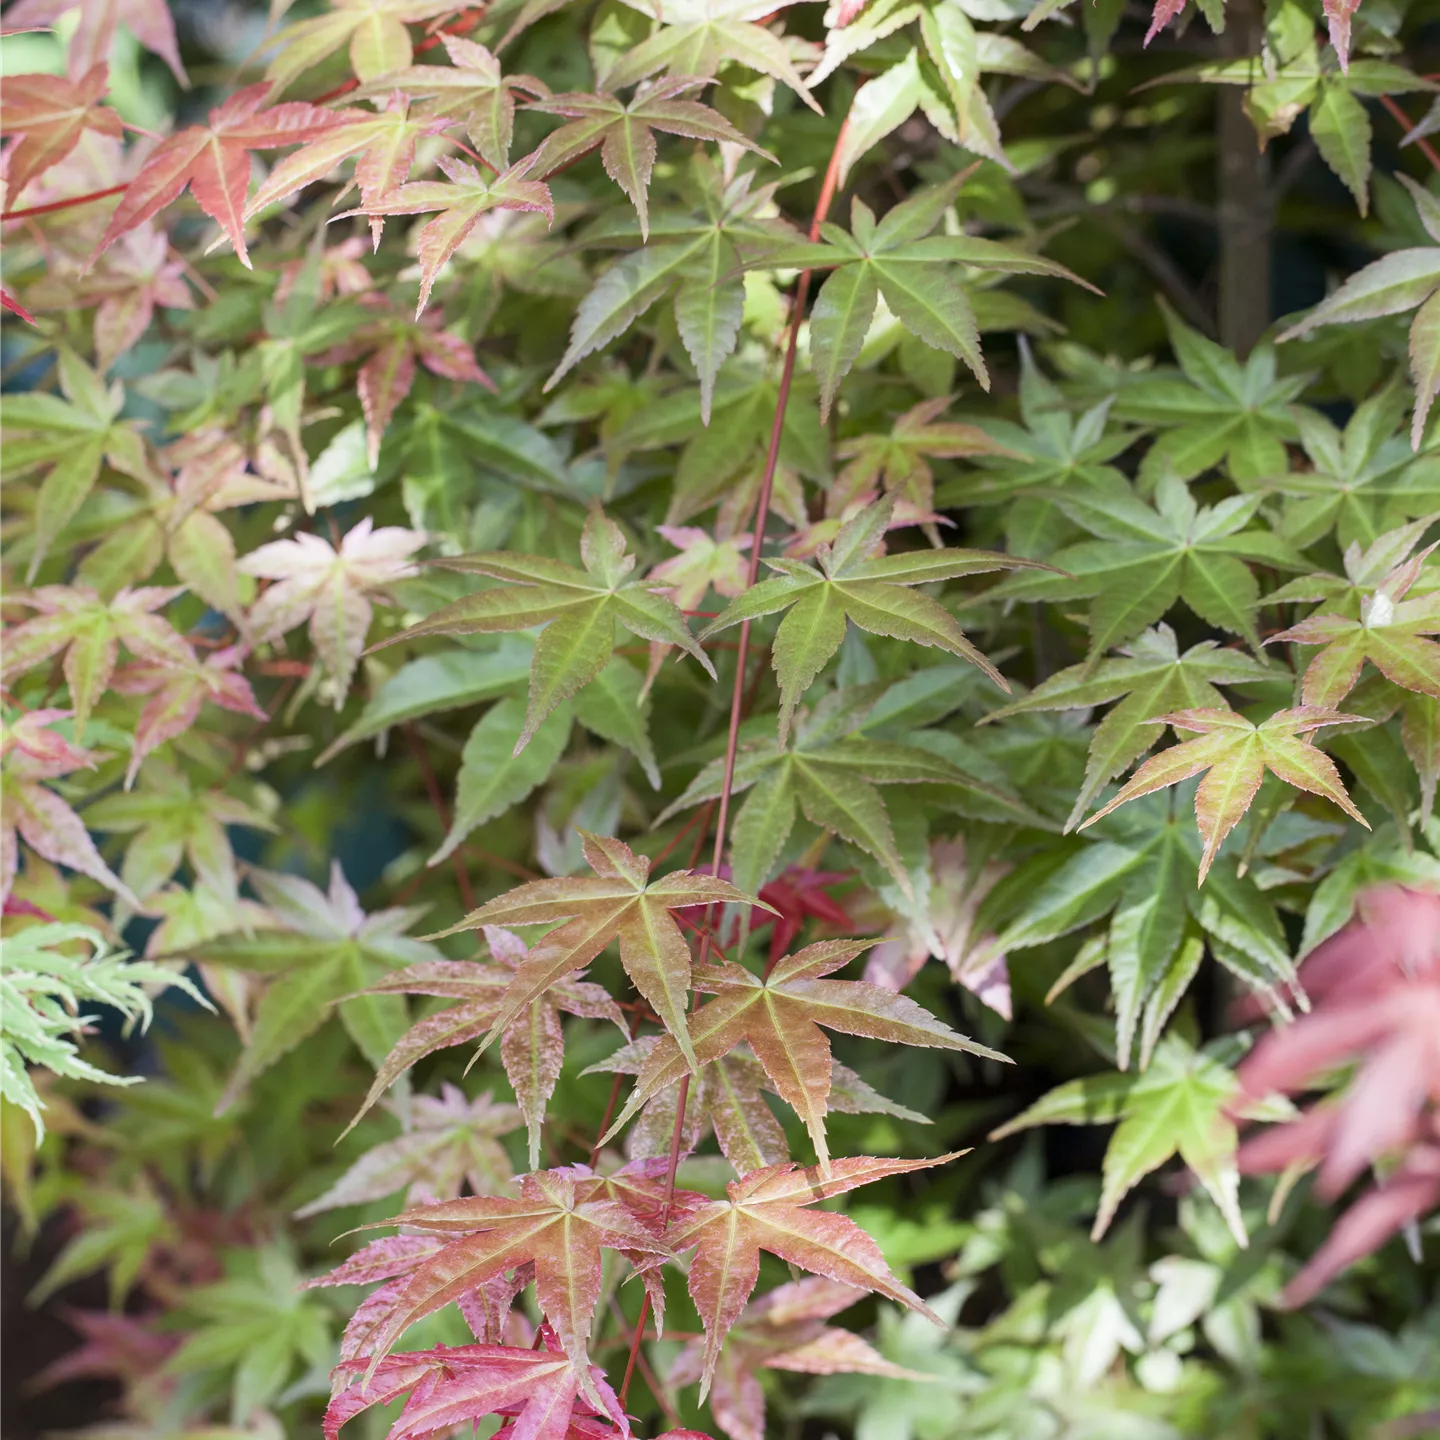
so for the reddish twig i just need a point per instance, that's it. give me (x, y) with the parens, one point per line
(737, 697)
(69, 204)
(442, 811)
(1398, 114)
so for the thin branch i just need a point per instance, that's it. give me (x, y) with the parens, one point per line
(442, 811)
(1398, 114)
(69, 204)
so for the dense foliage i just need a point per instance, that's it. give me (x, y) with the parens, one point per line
(559, 554)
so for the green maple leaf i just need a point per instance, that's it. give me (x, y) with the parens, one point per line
(697, 37)
(894, 259)
(875, 594)
(620, 902)
(1365, 570)
(1215, 410)
(724, 461)
(1403, 280)
(1139, 868)
(373, 29)
(171, 820)
(625, 133)
(693, 255)
(1361, 482)
(1179, 1106)
(323, 951)
(1389, 633)
(1150, 678)
(830, 774)
(578, 608)
(1145, 558)
(1235, 754)
(1048, 449)
(71, 439)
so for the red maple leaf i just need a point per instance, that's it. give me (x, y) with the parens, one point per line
(214, 161)
(149, 21)
(459, 1385)
(1376, 992)
(51, 113)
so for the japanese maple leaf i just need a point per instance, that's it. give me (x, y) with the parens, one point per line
(768, 1210)
(70, 439)
(626, 133)
(1180, 1105)
(1389, 634)
(177, 690)
(448, 1142)
(1150, 678)
(619, 902)
(725, 1096)
(1376, 992)
(460, 203)
(33, 753)
(894, 258)
(949, 932)
(322, 952)
(122, 1348)
(873, 594)
(10, 303)
(50, 114)
(799, 894)
(1366, 568)
(532, 1045)
(1143, 558)
(780, 1017)
(832, 773)
(455, 1386)
(579, 609)
(392, 349)
(373, 29)
(214, 161)
(90, 631)
(900, 461)
(135, 275)
(149, 21)
(696, 37)
(471, 89)
(384, 147)
(784, 1330)
(330, 588)
(704, 563)
(550, 1225)
(1236, 753)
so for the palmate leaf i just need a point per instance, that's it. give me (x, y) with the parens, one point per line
(873, 593)
(1138, 867)
(374, 30)
(1151, 679)
(323, 952)
(559, 1223)
(532, 1045)
(214, 161)
(619, 902)
(1362, 481)
(459, 204)
(1389, 634)
(769, 1210)
(50, 114)
(694, 255)
(625, 133)
(1179, 1106)
(453, 1386)
(471, 89)
(1143, 559)
(779, 1018)
(1400, 281)
(1235, 754)
(697, 37)
(830, 774)
(895, 259)
(579, 609)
